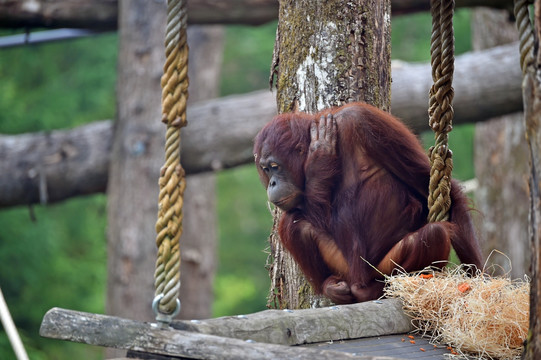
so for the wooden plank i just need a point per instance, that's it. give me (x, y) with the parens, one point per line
(296, 327)
(110, 331)
(402, 346)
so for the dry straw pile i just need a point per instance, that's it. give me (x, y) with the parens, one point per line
(480, 316)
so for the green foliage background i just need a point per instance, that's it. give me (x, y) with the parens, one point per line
(59, 259)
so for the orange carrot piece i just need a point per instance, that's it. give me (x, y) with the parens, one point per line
(464, 287)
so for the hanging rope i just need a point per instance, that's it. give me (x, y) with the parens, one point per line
(440, 108)
(172, 183)
(524, 25)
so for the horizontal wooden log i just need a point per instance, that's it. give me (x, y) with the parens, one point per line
(297, 327)
(109, 331)
(409, 6)
(52, 166)
(56, 165)
(47, 167)
(220, 132)
(102, 14)
(487, 83)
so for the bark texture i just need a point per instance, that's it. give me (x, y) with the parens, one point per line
(332, 53)
(327, 53)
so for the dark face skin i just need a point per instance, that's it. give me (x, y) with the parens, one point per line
(280, 189)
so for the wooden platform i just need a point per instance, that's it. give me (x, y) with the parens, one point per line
(395, 346)
(356, 331)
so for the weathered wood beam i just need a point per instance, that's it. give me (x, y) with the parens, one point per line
(66, 163)
(409, 6)
(487, 83)
(270, 332)
(297, 327)
(52, 166)
(114, 332)
(102, 14)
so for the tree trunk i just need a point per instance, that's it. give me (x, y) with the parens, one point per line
(135, 161)
(501, 164)
(198, 242)
(532, 115)
(327, 53)
(491, 28)
(133, 187)
(319, 58)
(501, 167)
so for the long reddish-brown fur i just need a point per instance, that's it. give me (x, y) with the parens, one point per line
(367, 199)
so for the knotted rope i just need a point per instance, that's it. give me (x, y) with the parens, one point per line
(524, 25)
(440, 108)
(172, 183)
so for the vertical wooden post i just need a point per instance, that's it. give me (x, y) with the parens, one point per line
(136, 157)
(532, 115)
(199, 238)
(501, 158)
(135, 160)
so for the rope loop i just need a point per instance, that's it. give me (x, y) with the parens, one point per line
(440, 108)
(172, 183)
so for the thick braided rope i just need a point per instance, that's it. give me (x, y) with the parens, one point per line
(524, 25)
(440, 108)
(172, 183)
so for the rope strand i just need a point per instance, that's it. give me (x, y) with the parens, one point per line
(172, 183)
(440, 108)
(526, 36)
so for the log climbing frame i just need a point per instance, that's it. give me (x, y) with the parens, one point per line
(270, 334)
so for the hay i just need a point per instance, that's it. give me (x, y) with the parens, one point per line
(481, 316)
